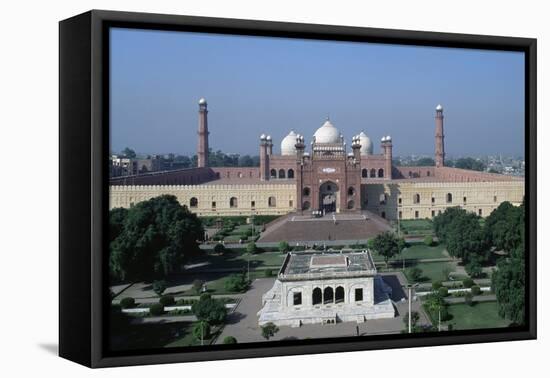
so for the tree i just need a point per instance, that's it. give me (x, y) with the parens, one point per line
(129, 153)
(283, 246)
(386, 245)
(269, 330)
(127, 302)
(219, 248)
(156, 309)
(229, 340)
(469, 299)
(473, 268)
(425, 162)
(167, 300)
(470, 163)
(504, 227)
(201, 330)
(236, 283)
(462, 233)
(156, 237)
(159, 286)
(210, 309)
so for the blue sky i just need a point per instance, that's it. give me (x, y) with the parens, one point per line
(259, 85)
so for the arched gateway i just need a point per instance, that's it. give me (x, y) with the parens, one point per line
(328, 197)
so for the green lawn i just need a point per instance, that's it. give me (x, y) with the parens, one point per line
(417, 251)
(432, 271)
(414, 227)
(422, 251)
(480, 315)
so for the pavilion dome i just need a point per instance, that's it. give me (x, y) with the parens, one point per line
(366, 144)
(288, 144)
(327, 133)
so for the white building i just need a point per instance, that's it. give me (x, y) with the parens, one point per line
(326, 287)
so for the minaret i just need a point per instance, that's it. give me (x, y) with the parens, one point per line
(264, 157)
(439, 137)
(388, 155)
(202, 148)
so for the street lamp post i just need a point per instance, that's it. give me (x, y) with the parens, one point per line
(410, 288)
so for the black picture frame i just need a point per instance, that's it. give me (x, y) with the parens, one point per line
(83, 180)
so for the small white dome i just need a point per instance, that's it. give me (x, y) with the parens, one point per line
(383, 139)
(388, 138)
(327, 134)
(268, 137)
(262, 137)
(366, 144)
(288, 144)
(439, 107)
(202, 101)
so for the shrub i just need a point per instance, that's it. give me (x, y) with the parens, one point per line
(445, 314)
(201, 330)
(156, 309)
(236, 283)
(127, 302)
(159, 287)
(167, 300)
(229, 340)
(268, 273)
(197, 286)
(468, 299)
(219, 248)
(473, 268)
(415, 273)
(204, 296)
(428, 240)
(476, 290)
(283, 246)
(468, 282)
(251, 247)
(443, 291)
(436, 285)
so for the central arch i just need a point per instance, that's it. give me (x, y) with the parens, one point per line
(329, 195)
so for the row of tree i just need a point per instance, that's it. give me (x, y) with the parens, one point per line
(215, 159)
(462, 163)
(504, 232)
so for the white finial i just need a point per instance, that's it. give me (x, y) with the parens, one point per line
(268, 137)
(439, 107)
(202, 101)
(262, 137)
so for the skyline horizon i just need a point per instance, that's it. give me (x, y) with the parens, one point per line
(275, 85)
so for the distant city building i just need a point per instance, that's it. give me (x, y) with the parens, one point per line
(323, 178)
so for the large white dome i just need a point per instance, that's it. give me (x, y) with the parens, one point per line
(327, 133)
(366, 144)
(288, 144)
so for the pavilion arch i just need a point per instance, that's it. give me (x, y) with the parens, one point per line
(273, 173)
(351, 204)
(282, 173)
(317, 296)
(306, 205)
(416, 198)
(233, 202)
(373, 173)
(351, 191)
(449, 198)
(271, 202)
(383, 198)
(306, 192)
(364, 173)
(290, 174)
(193, 202)
(380, 173)
(339, 295)
(328, 295)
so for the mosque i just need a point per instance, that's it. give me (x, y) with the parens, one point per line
(328, 176)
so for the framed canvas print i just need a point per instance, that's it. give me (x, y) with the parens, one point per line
(234, 188)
